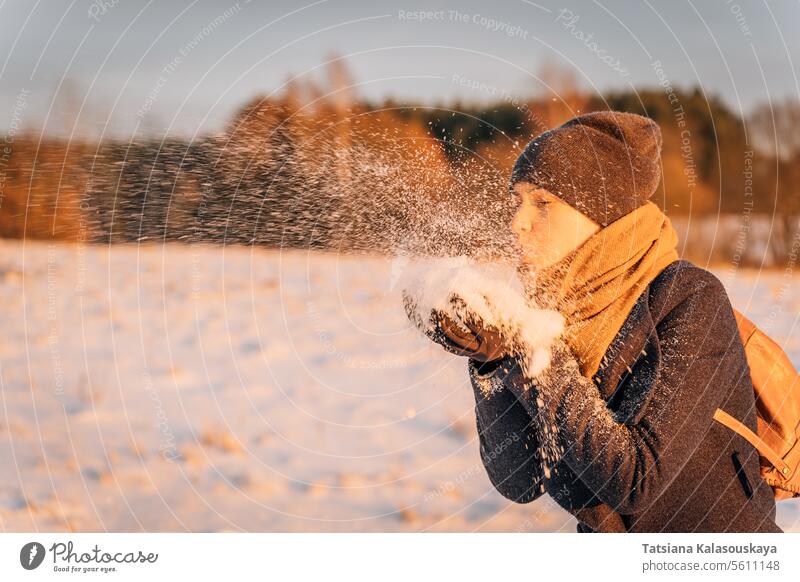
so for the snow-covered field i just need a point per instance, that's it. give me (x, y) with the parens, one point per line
(176, 388)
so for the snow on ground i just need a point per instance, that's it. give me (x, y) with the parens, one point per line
(205, 389)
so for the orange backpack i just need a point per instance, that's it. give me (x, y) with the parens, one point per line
(777, 391)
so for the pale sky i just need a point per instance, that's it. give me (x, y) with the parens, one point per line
(183, 66)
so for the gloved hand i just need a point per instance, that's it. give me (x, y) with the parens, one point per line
(483, 344)
(474, 340)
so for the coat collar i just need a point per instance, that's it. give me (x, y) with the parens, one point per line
(630, 366)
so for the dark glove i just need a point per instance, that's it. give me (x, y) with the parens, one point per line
(473, 340)
(483, 344)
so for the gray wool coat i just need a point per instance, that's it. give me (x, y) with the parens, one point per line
(641, 451)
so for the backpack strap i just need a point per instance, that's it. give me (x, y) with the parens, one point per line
(726, 419)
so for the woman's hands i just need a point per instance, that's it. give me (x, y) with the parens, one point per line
(474, 340)
(483, 344)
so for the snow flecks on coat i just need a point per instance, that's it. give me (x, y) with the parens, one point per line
(640, 450)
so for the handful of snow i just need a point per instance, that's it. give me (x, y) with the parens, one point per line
(488, 294)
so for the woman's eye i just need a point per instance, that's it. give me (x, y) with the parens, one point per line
(542, 203)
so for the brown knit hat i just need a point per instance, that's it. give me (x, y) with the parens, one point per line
(603, 164)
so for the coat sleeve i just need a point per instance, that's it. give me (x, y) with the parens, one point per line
(508, 443)
(696, 358)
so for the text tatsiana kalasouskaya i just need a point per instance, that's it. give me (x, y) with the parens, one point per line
(709, 549)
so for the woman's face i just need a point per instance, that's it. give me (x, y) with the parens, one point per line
(547, 228)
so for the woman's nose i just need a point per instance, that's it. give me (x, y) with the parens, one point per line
(518, 225)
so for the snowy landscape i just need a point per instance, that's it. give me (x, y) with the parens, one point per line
(180, 388)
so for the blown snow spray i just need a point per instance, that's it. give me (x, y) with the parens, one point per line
(491, 294)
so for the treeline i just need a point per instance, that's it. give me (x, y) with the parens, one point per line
(324, 169)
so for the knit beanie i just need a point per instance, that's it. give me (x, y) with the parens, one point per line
(603, 164)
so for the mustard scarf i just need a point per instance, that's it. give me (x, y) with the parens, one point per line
(597, 284)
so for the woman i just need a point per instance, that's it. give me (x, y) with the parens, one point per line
(651, 350)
